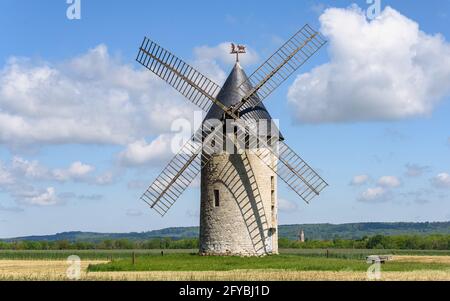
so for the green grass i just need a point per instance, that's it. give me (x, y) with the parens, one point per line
(193, 262)
(118, 254)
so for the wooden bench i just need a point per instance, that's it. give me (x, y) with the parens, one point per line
(378, 258)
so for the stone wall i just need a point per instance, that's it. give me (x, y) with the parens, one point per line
(244, 222)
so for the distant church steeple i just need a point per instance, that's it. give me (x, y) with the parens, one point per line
(301, 236)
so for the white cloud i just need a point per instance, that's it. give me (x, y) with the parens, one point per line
(360, 180)
(93, 98)
(76, 171)
(44, 198)
(28, 169)
(142, 153)
(389, 182)
(442, 180)
(22, 168)
(376, 194)
(286, 205)
(20, 176)
(385, 69)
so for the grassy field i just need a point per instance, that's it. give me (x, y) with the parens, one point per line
(119, 254)
(186, 265)
(55, 270)
(192, 262)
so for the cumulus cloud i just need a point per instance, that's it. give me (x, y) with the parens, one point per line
(96, 98)
(371, 195)
(33, 170)
(19, 177)
(382, 192)
(360, 180)
(442, 180)
(28, 169)
(389, 182)
(384, 69)
(142, 153)
(93, 98)
(76, 171)
(44, 198)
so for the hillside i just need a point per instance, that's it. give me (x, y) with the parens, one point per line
(312, 232)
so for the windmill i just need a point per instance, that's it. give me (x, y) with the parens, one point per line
(238, 214)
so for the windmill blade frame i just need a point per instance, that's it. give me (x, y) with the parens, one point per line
(176, 177)
(280, 66)
(294, 171)
(184, 78)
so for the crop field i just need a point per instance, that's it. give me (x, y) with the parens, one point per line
(185, 265)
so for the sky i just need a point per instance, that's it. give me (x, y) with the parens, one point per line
(84, 129)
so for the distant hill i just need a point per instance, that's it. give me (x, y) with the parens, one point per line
(312, 232)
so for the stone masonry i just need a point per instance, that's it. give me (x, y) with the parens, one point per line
(238, 206)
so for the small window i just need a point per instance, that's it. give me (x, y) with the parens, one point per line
(216, 198)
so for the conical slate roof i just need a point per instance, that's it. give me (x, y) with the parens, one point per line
(229, 96)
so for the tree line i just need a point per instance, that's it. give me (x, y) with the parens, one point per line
(397, 242)
(401, 242)
(109, 244)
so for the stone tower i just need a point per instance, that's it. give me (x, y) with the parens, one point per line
(238, 214)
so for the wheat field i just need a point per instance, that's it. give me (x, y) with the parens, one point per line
(34, 270)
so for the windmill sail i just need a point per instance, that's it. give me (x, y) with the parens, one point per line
(304, 180)
(182, 169)
(185, 79)
(282, 64)
(293, 170)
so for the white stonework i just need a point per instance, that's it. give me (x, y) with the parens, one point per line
(244, 222)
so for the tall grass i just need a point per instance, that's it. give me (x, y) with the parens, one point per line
(190, 262)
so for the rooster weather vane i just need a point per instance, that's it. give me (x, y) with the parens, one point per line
(238, 49)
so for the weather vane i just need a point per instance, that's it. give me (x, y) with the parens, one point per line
(237, 49)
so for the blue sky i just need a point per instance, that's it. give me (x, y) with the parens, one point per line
(83, 129)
